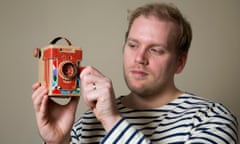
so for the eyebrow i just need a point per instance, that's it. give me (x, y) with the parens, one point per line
(132, 39)
(152, 45)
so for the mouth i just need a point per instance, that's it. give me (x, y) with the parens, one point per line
(139, 74)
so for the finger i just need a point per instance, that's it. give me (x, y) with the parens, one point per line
(91, 82)
(42, 115)
(39, 92)
(94, 84)
(73, 103)
(90, 79)
(86, 71)
(37, 97)
(89, 70)
(43, 107)
(91, 93)
(87, 91)
(90, 100)
(35, 86)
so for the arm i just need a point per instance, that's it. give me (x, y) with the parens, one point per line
(99, 97)
(123, 132)
(101, 100)
(54, 121)
(215, 125)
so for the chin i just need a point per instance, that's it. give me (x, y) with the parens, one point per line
(139, 89)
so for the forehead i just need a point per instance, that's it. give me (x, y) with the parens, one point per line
(152, 29)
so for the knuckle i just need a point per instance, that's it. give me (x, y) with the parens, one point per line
(108, 81)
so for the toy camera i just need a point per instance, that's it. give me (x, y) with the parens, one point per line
(59, 68)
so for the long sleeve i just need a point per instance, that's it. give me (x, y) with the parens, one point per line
(188, 119)
(214, 125)
(123, 132)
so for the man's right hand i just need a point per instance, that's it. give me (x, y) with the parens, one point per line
(54, 121)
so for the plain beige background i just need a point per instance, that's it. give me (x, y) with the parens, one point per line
(98, 27)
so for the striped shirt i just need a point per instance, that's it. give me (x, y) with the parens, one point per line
(187, 119)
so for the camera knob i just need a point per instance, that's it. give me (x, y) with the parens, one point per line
(37, 53)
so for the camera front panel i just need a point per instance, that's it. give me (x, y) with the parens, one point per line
(61, 71)
(57, 84)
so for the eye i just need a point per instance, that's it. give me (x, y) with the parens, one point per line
(131, 45)
(156, 51)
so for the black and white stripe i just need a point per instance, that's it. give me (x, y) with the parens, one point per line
(188, 119)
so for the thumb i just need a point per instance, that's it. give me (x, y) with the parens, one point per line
(73, 103)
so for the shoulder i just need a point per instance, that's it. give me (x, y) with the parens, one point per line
(212, 118)
(204, 105)
(205, 112)
(193, 101)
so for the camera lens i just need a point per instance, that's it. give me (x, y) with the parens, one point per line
(69, 71)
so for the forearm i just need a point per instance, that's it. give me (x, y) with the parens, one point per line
(123, 132)
(66, 140)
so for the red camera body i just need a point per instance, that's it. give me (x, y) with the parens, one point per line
(59, 68)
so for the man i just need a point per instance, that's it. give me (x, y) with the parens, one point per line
(155, 111)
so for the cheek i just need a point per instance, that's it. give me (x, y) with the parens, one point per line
(162, 67)
(170, 67)
(127, 58)
(125, 62)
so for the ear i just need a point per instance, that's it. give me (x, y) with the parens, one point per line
(181, 61)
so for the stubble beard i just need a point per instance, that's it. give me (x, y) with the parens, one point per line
(146, 91)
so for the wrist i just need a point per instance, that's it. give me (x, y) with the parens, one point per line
(110, 122)
(65, 141)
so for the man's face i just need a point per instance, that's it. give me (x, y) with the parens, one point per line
(149, 57)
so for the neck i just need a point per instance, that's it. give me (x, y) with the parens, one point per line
(139, 102)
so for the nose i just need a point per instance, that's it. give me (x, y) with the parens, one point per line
(141, 57)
